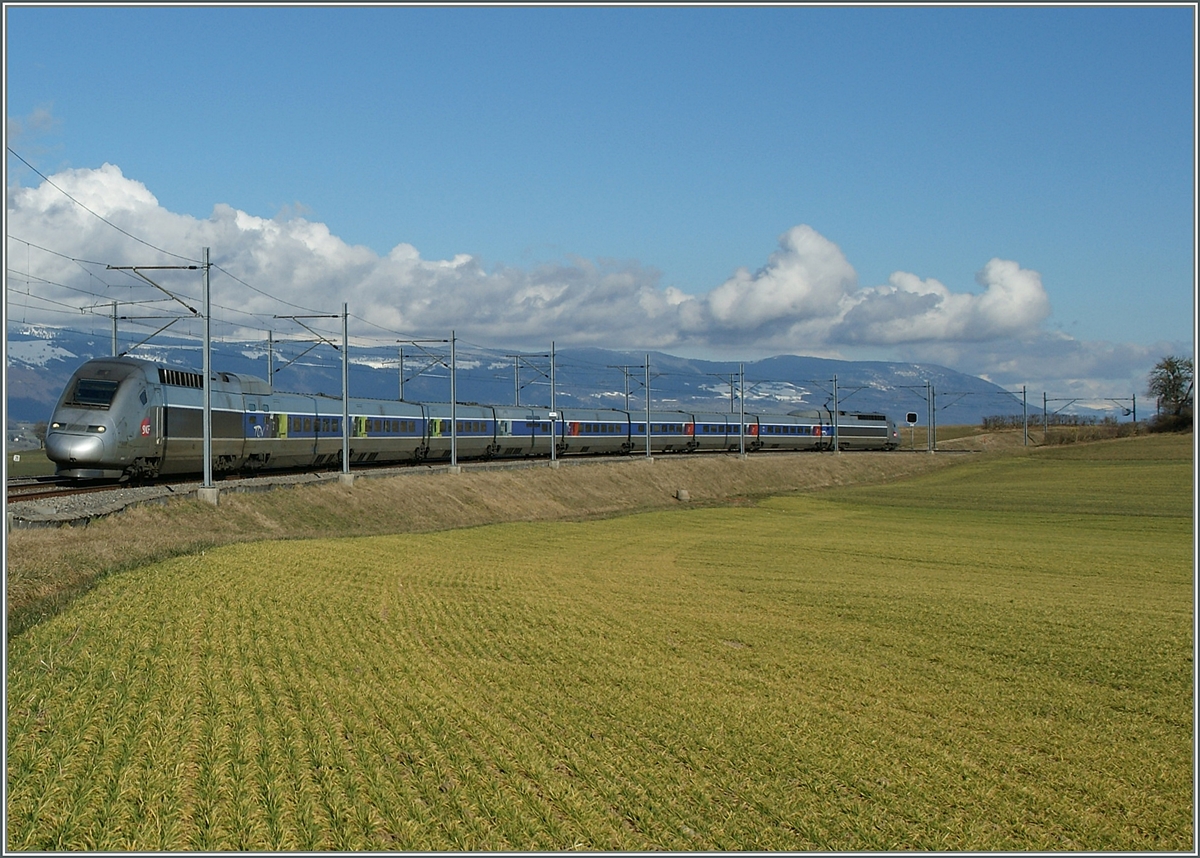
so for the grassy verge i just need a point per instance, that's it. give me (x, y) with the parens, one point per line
(47, 568)
(967, 660)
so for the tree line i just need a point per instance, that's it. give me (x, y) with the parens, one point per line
(1171, 383)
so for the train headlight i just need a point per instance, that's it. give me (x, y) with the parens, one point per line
(97, 429)
(56, 425)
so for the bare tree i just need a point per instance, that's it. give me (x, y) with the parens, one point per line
(1171, 382)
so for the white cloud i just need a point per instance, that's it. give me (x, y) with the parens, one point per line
(806, 278)
(804, 299)
(910, 309)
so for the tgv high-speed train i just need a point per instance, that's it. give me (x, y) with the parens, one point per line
(130, 418)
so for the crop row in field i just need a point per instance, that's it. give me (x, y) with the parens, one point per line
(963, 661)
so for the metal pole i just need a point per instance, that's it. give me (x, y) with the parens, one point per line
(271, 361)
(1135, 408)
(453, 404)
(929, 420)
(648, 405)
(401, 373)
(933, 417)
(1025, 414)
(517, 380)
(731, 377)
(114, 335)
(836, 446)
(345, 393)
(208, 452)
(553, 413)
(1045, 420)
(741, 409)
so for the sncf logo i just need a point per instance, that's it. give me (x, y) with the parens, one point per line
(146, 426)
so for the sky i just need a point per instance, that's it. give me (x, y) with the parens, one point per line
(1006, 191)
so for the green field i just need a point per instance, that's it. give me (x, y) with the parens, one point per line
(29, 463)
(995, 656)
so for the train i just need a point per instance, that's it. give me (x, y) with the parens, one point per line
(125, 418)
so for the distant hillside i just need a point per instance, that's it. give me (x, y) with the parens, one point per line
(41, 360)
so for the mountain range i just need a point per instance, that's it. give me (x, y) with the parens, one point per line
(41, 359)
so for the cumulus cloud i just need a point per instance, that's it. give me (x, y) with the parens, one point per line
(910, 309)
(805, 299)
(807, 278)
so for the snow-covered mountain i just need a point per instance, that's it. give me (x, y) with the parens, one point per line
(41, 359)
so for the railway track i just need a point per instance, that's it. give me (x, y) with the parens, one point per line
(21, 491)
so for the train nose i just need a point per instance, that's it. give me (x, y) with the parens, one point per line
(63, 448)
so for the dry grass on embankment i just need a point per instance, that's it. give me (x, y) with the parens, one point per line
(49, 567)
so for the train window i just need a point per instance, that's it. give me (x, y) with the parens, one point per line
(307, 424)
(95, 392)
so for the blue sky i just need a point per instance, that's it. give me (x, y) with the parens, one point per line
(651, 153)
